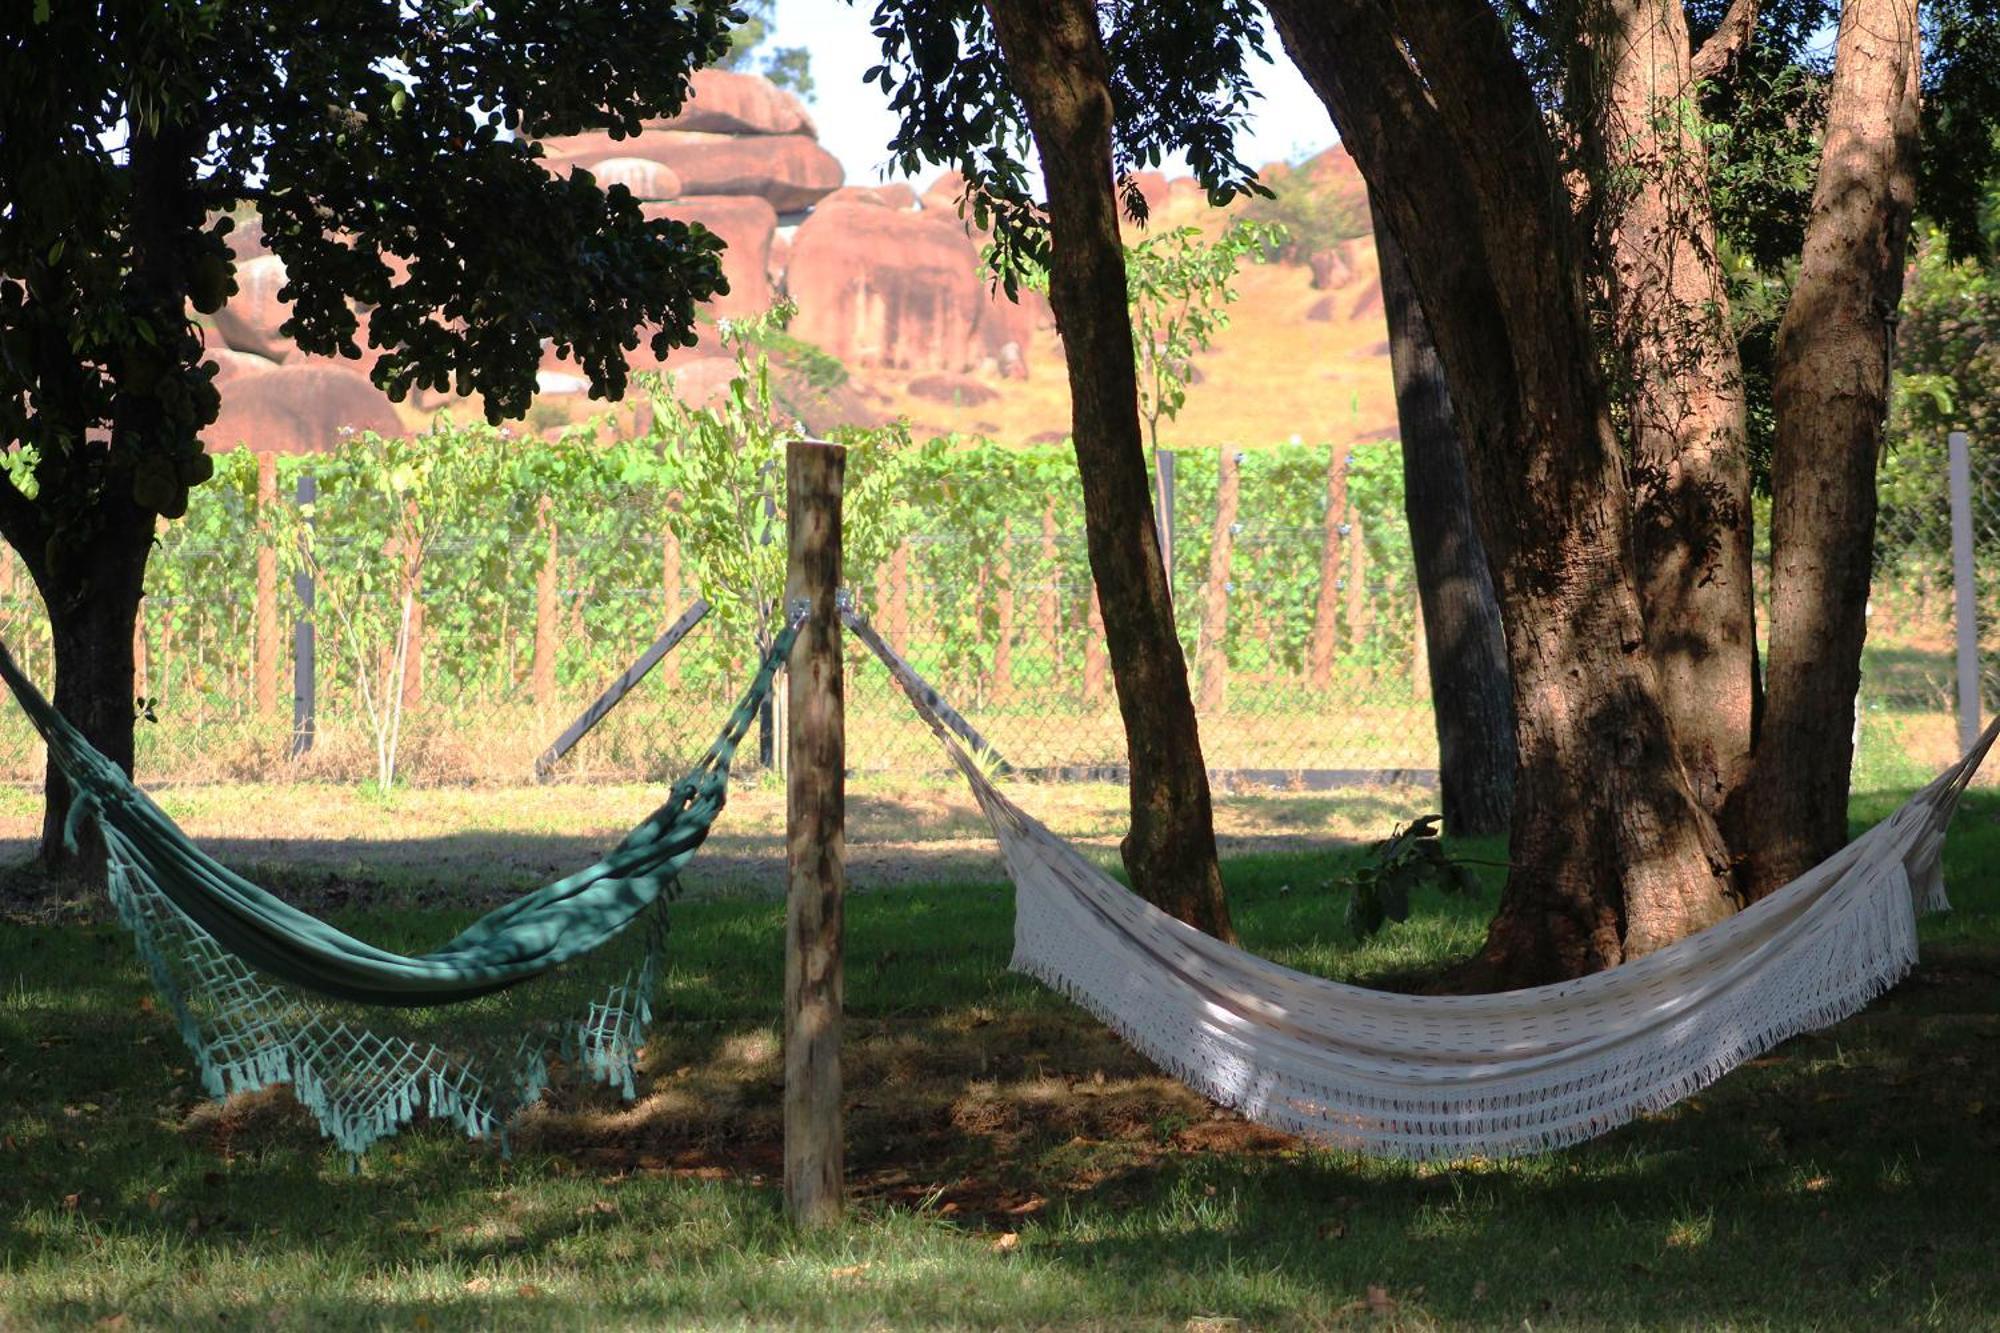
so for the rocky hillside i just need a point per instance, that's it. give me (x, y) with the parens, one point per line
(887, 280)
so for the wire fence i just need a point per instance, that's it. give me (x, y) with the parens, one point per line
(1294, 594)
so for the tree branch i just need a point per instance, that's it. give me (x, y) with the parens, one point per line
(1715, 56)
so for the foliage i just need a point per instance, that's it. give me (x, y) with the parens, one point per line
(785, 66)
(1179, 286)
(726, 467)
(389, 152)
(1410, 858)
(1307, 213)
(1180, 82)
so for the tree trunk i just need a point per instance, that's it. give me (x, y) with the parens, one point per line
(1612, 856)
(1831, 392)
(1471, 697)
(93, 602)
(1682, 382)
(1055, 56)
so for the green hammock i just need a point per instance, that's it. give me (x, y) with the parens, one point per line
(265, 993)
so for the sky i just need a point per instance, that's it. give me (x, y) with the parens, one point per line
(855, 121)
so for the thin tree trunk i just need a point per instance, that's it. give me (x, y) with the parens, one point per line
(1612, 856)
(1459, 618)
(1326, 609)
(1682, 382)
(1212, 655)
(1055, 56)
(1831, 392)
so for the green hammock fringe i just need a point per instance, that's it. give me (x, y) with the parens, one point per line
(369, 1039)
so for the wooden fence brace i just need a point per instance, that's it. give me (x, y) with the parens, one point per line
(304, 704)
(938, 704)
(619, 688)
(815, 838)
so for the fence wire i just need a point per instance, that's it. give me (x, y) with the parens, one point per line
(1294, 594)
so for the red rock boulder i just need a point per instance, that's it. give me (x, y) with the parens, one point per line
(891, 194)
(790, 171)
(646, 179)
(879, 287)
(725, 102)
(746, 225)
(250, 320)
(299, 408)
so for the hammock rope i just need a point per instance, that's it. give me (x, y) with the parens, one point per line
(369, 1037)
(1424, 1077)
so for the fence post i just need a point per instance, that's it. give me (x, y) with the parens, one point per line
(815, 841)
(1163, 517)
(1003, 648)
(1326, 608)
(1964, 604)
(542, 673)
(1211, 649)
(264, 651)
(304, 702)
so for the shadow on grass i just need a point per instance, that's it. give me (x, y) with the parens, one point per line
(1845, 1180)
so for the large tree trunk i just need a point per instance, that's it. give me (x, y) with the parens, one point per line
(93, 602)
(1831, 391)
(1681, 381)
(1055, 55)
(1612, 855)
(1471, 696)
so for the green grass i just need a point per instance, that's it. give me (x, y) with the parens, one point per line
(1014, 1166)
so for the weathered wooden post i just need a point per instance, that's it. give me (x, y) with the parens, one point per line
(1965, 612)
(264, 647)
(542, 671)
(1211, 647)
(815, 838)
(305, 704)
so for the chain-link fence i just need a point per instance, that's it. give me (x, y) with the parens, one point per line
(1291, 577)
(1928, 672)
(1293, 588)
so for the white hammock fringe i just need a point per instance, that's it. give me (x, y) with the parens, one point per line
(1426, 1077)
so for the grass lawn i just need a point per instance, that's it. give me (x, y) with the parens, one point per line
(1013, 1165)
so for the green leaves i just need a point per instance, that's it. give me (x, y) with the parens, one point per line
(1410, 858)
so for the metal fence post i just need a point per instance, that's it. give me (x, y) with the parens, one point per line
(1163, 460)
(1964, 609)
(304, 702)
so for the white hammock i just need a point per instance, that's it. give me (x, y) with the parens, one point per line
(1421, 1076)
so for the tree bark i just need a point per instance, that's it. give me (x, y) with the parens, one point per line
(1471, 696)
(1831, 393)
(1612, 856)
(1055, 55)
(1681, 382)
(93, 601)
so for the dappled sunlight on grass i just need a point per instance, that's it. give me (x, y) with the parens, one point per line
(1012, 1163)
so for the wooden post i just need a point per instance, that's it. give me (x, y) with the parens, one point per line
(305, 701)
(1049, 613)
(1003, 650)
(264, 650)
(896, 610)
(543, 672)
(1326, 611)
(670, 580)
(1093, 650)
(1357, 580)
(1211, 651)
(1965, 614)
(815, 840)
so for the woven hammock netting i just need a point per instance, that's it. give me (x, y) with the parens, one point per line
(368, 1038)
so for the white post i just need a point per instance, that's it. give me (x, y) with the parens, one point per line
(1965, 609)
